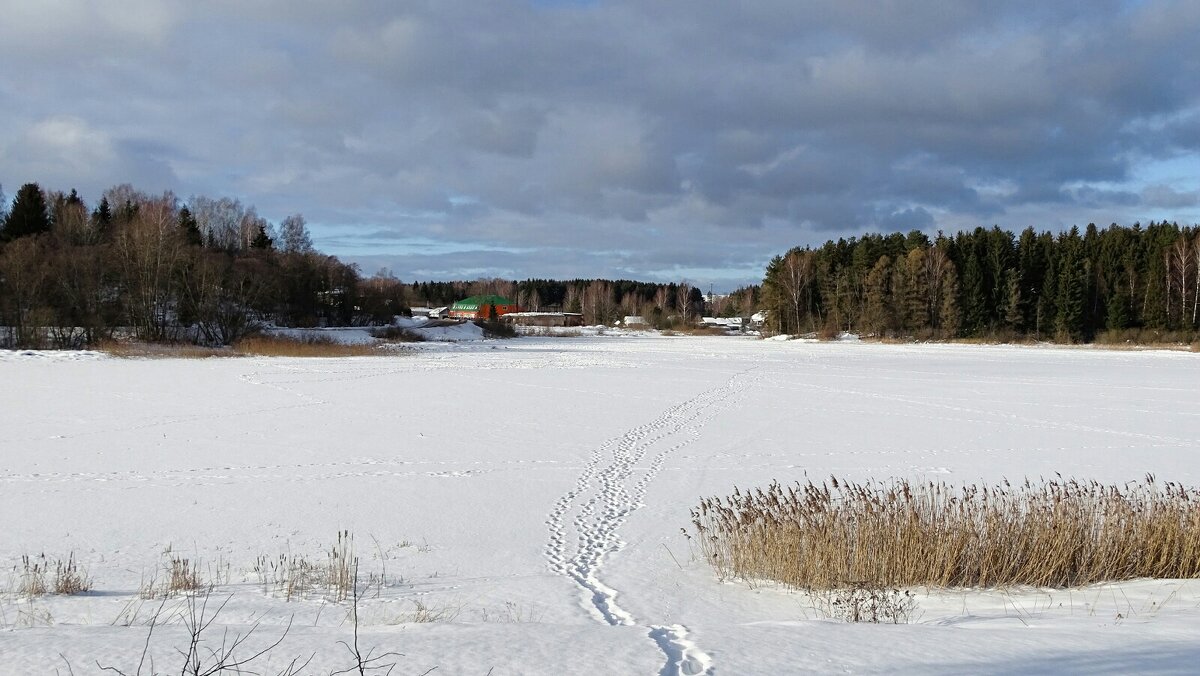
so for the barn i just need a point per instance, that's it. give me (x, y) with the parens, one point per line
(483, 307)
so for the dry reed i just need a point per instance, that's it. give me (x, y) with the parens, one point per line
(307, 345)
(297, 577)
(263, 345)
(1060, 533)
(69, 577)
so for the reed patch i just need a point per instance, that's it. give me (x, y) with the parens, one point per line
(1058, 533)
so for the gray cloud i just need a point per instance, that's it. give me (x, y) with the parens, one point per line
(672, 135)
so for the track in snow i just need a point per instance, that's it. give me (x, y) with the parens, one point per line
(612, 486)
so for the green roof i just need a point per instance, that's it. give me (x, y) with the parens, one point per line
(475, 302)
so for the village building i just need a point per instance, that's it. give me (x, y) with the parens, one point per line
(482, 307)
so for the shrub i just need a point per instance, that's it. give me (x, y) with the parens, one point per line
(864, 603)
(497, 329)
(397, 334)
(1054, 534)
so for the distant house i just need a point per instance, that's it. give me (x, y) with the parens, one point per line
(482, 307)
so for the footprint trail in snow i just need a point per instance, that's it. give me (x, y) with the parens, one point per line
(584, 525)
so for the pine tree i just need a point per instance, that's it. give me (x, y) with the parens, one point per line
(29, 215)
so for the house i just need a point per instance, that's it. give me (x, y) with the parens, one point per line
(482, 307)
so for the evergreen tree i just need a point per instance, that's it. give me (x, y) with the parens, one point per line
(190, 228)
(1014, 315)
(974, 297)
(102, 217)
(29, 215)
(949, 313)
(1117, 311)
(878, 315)
(261, 239)
(1072, 296)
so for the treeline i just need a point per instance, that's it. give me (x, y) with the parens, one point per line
(1137, 282)
(205, 270)
(600, 301)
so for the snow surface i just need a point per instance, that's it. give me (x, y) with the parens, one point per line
(533, 491)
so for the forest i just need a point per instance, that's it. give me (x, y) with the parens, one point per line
(156, 269)
(210, 271)
(1117, 284)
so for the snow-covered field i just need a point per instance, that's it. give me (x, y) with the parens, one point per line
(531, 493)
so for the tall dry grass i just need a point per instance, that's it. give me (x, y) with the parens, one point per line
(262, 345)
(306, 345)
(1059, 533)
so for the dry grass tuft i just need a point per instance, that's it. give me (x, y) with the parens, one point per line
(343, 567)
(874, 605)
(183, 576)
(424, 614)
(1060, 533)
(307, 345)
(263, 345)
(34, 576)
(138, 350)
(70, 577)
(296, 577)
(699, 331)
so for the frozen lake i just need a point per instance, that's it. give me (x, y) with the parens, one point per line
(532, 492)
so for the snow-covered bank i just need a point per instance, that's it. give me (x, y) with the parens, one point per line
(534, 490)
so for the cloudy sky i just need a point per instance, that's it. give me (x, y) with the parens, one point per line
(656, 139)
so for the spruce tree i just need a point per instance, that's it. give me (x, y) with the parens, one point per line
(190, 228)
(1117, 310)
(29, 215)
(974, 297)
(102, 217)
(261, 240)
(1072, 297)
(1014, 314)
(949, 312)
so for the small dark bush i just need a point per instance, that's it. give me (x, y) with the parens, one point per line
(497, 329)
(397, 334)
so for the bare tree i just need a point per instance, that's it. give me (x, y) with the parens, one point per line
(219, 220)
(293, 235)
(22, 292)
(798, 270)
(150, 250)
(683, 301)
